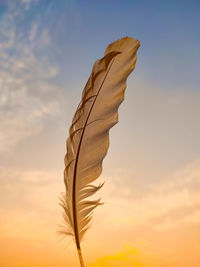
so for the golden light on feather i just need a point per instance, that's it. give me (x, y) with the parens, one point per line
(88, 139)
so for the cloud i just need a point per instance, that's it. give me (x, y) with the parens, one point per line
(26, 4)
(130, 256)
(21, 115)
(30, 178)
(27, 100)
(45, 38)
(29, 200)
(169, 204)
(25, 187)
(33, 31)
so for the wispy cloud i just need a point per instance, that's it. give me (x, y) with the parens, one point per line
(29, 195)
(26, 92)
(26, 3)
(167, 204)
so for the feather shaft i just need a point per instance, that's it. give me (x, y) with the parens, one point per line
(80, 257)
(75, 168)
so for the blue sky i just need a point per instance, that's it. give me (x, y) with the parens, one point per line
(168, 31)
(79, 30)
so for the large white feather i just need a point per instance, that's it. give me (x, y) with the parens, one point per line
(88, 140)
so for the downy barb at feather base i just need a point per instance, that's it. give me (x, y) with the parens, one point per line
(88, 139)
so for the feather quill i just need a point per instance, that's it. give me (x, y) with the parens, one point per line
(88, 139)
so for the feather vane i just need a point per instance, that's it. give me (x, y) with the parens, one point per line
(88, 139)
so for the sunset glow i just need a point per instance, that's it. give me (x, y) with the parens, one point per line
(151, 211)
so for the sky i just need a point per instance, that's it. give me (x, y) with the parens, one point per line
(151, 215)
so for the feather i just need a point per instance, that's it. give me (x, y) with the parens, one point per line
(88, 139)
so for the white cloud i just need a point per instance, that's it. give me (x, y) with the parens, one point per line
(26, 94)
(29, 200)
(22, 114)
(33, 31)
(26, 4)
(45, 38)
(171, 203)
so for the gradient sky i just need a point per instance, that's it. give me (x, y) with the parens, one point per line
(151, 216)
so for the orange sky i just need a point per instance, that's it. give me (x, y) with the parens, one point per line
(160, 228)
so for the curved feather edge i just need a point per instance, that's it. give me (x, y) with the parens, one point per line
(88, 139)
